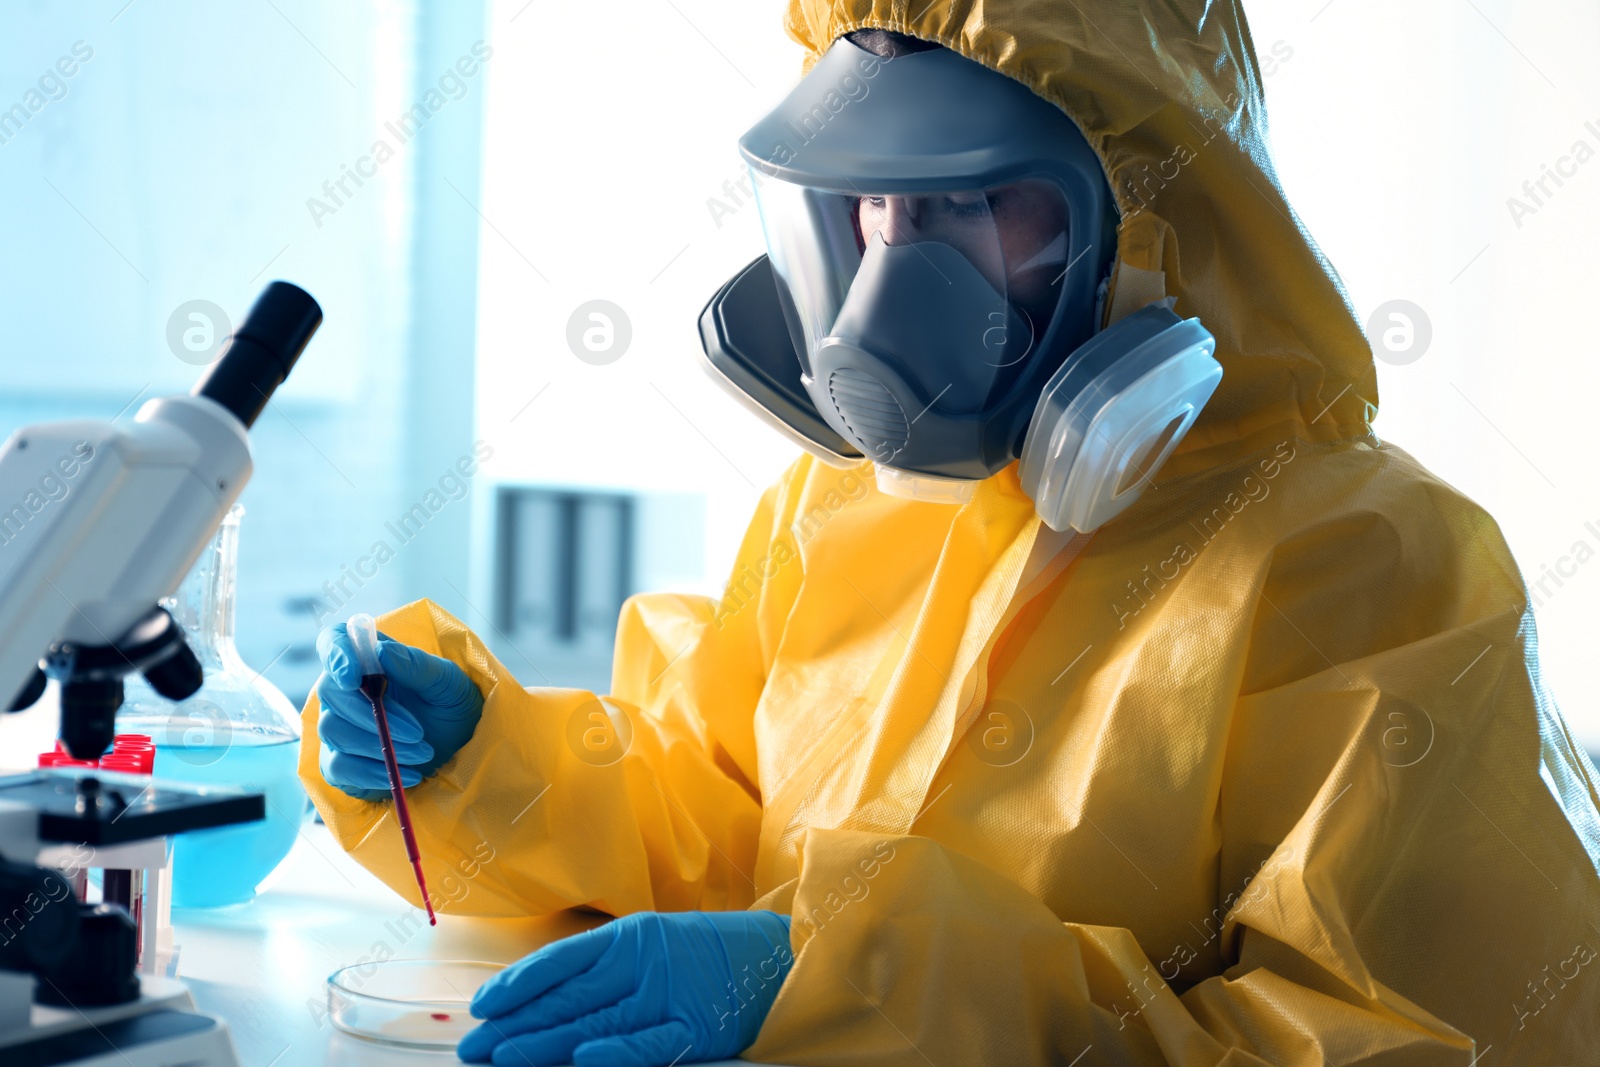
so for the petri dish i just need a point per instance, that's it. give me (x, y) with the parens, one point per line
(414, 1003)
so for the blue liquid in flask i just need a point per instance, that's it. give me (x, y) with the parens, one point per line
(214, 868)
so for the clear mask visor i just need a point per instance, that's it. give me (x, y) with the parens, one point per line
(1014, 236)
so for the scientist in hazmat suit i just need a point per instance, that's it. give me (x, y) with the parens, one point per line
(1096, 689)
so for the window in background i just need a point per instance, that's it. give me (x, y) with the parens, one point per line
(566, 560)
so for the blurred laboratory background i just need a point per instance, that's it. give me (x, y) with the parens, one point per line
(512, 213)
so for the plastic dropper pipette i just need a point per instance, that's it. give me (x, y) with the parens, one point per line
(363, 633)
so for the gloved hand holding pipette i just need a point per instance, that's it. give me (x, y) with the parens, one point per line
(363, 634)
(433, 708)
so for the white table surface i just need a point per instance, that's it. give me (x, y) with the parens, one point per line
(261, 966)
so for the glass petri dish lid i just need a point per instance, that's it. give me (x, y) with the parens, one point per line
(412, 1003)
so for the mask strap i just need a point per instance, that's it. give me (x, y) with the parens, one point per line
(1137, 278)
(1133, 288)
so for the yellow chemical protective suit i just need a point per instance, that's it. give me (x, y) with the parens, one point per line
(1262, 772)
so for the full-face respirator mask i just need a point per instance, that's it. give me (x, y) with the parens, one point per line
(939, 240)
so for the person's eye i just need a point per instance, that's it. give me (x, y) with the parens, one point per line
(967, 205)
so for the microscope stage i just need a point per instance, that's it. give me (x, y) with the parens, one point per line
(104, 808)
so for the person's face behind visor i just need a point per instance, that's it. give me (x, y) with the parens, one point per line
(1014, 234)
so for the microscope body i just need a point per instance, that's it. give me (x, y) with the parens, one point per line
(98, 523)
(118, 516)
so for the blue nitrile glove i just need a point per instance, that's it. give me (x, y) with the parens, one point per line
(433, 707)
(647, 990)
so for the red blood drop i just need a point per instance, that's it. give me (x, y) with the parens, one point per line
(441, 1016)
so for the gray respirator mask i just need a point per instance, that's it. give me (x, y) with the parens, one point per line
(939, 241)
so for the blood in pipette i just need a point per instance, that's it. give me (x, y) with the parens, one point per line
(373, 686)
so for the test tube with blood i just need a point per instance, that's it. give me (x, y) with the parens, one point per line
(363, 633)
(124, 887)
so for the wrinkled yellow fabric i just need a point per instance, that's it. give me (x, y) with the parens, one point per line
(1261, 773)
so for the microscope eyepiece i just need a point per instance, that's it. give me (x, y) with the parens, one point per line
(261, 351)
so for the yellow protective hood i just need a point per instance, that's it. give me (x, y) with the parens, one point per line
(1169, 94)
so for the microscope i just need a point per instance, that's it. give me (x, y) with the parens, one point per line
(97, 524)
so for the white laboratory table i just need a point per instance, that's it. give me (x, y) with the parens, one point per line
(261, 966)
